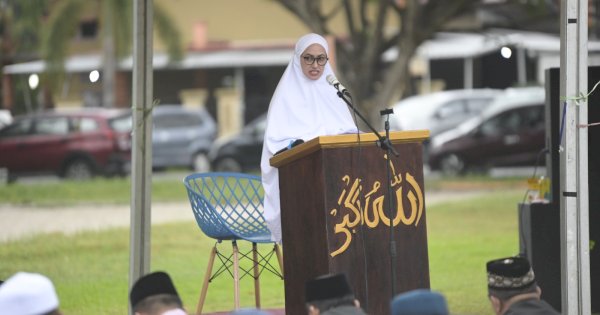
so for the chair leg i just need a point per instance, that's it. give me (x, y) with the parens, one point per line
(279, 257)
(236, 276)
(207, 276)
(256, 276)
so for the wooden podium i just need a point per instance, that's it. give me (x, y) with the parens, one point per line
(335, 216)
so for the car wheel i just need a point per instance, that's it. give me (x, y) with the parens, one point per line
(452, 165)
(228, 165)
(78, 169)
(201, 164)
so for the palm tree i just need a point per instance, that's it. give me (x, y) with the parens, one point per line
(20, 21)
(116, 28)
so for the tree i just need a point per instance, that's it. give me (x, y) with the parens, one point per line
(360, 55)
(20, 21)
(115, 22)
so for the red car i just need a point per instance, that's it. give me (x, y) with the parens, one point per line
(74, 144)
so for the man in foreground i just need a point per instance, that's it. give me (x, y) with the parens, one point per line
(512, 288)
(331, 295)
(155, 294)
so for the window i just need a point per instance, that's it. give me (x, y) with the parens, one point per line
(507, 122)
(534, 117)
(88, 29)
(476, 105)
(454, 108)
(177, 121)
(121, 124)
(18, 128)
(87, 125)
(52, 126)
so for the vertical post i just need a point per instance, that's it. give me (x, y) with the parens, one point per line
(240, 88)
(427, 77)
(468, 73)
(575, 271)
(141, 149)
(521, 66)
(109, 64)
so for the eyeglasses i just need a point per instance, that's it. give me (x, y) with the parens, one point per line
(310, 59)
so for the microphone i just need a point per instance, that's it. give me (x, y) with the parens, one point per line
(336, 84)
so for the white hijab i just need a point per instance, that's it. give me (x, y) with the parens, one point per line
(301, 108)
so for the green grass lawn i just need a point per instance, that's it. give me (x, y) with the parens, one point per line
(90, 269)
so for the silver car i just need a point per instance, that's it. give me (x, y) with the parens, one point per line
(182, 137)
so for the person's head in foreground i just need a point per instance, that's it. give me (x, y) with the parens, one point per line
(329, 295)
(27, 293)
(512, 287)
(419, 302)
(155, 294)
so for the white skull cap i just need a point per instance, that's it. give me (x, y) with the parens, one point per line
(27, 293)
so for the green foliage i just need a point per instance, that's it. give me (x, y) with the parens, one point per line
(19, 26)
(62, 26)
(120, 13)
(117, 14)
(167, 32)
(98, 190)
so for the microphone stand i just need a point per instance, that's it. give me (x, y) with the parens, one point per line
(384, 143)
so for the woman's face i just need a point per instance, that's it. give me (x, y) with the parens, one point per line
(315, 53)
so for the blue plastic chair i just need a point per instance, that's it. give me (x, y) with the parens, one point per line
(228, 207)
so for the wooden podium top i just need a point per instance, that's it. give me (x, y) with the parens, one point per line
(345, 140)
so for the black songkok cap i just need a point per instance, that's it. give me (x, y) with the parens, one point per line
(151, 284)
(327, 287)
(510, 273)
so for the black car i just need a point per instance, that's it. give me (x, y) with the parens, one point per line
(240, 152)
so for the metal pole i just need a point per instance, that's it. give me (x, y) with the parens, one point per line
(141, 149)
(575, 271)
(468, 73)
(521, 66)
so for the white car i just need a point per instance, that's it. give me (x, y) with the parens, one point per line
(440, 111)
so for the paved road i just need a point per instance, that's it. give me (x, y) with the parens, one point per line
(22, 221)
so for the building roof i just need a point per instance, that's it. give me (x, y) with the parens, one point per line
(465, 45)
(443, 46)
(194, 60)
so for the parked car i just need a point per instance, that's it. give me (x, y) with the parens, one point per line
(242, 151)
(75, 144)
(182, 137)
(5, 117)
(510, 132)
(440, 111)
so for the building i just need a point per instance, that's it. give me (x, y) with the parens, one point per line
(236, 51)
